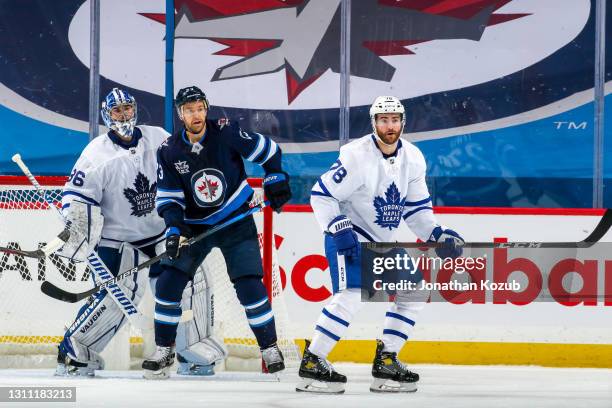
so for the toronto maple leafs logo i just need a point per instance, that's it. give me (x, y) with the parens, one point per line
(208, 187)
(142, 196)
(389, 209)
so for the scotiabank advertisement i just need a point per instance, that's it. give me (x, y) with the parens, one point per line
(558, 295)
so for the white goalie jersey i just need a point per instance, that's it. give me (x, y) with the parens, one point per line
(122, 180)
(376, 192)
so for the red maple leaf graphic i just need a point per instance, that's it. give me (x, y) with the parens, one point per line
(247, 47)
(208, 188)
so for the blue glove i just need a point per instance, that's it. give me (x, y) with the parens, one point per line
(452, 242)
(277, 190)
(344, 237)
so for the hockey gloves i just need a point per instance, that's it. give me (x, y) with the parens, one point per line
(344, 237)
(174, 242)
(277, 190)
(452, 242)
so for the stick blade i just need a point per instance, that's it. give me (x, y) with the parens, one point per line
(53, 291)
(602, 227)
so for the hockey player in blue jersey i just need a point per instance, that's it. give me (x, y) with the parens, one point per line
(201, 182)
(377, 182)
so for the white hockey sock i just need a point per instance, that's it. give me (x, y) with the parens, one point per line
(334, 321)
(399, 323)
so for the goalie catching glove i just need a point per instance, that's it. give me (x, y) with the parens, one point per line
(452, 242)
(277, 189)
(84, 221)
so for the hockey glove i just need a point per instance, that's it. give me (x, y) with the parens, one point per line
(452, 242)
(174, 242)
(277, 190)
(344, 237)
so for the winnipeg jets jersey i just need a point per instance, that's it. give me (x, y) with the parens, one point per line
(375, 191)
(205, 182)
(122, 179)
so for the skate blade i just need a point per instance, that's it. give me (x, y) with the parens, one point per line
(380, 385)
(196, 370)
(162, 374)
(308, 385)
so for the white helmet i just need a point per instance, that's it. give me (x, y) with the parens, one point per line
(386, 104)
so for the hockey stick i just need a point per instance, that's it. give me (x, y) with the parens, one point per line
(93, 260)
(58, 293)
(595, 236)
(42, 252)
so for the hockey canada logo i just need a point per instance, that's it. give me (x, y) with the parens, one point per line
(389, 209)
(208, 187)
(142, 196)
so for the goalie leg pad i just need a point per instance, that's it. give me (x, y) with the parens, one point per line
(98, 322)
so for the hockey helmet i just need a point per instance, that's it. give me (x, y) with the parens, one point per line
(189, 94)
(118, 97)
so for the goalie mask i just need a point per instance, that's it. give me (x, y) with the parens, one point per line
(386, 104)
(119, 112)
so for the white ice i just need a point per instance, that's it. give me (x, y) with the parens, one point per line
(440, 387)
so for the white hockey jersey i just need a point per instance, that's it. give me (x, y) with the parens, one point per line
(376, 192)
(122, 180)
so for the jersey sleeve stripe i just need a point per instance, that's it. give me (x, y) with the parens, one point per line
(84, 197)
(318, 193)
(272, 151)
(415, 203)
(264, 151)
(167, 194)
(169, 190)
(323, 188)
(166, 201)
(409, 213)
(258, 148)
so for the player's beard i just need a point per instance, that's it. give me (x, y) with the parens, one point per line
(195, 129)
(389, 137)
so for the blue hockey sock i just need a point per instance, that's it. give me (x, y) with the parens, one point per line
(168, 293)
(252, 295)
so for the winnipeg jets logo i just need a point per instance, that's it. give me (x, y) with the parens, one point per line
(270, 35)
(389, 209)
(182, 167)
(142, 196)
(208, 187)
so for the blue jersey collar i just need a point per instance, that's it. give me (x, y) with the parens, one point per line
(136, 136)
(186, 140)
(386, 156)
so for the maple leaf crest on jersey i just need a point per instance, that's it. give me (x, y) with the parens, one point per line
(142, 196)
(389, 209)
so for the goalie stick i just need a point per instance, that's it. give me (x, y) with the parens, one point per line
(43, 252)
(595, 236)
(58, 293)
(96, 265)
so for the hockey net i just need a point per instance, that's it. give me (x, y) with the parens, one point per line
(32, 324)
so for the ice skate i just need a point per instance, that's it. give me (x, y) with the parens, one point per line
(387, 367)
(157, 367)
(67, 366)
(317, 375)
(273, 359)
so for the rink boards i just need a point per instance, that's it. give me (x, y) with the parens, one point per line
(540, 333)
